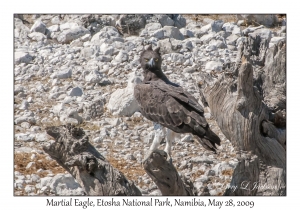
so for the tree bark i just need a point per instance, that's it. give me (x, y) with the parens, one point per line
(237, 101)
(165, 175)
(72, 150)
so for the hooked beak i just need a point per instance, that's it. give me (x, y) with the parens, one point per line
(151, 63)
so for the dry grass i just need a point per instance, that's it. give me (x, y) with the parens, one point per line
(196, 175)
(89, 126)
(132, 173)
(21, 160)
(227, 172)
(201, 17)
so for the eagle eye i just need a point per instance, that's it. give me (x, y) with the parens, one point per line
(146, 59)
(156, 59)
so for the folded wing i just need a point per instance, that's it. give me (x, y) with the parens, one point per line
(175, 109)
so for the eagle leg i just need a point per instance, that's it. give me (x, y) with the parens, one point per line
(160, 133)
(169, 137)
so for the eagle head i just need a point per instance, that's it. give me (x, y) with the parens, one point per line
(150, 59)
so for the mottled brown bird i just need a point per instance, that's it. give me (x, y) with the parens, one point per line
(168, 104)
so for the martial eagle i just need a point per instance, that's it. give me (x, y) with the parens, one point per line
(168, 104)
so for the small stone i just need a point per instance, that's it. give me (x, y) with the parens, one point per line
(77, 91)
(130, 157)
(98, 140)
(30, 165)
(38, 26)
(187, 138)
(213, 65)
(66, 36)
(33, 157)
(202, 179)
(22, 57)
(29, 189)
(63, 74)
(24, 137)
(41, 137)
(165, 20)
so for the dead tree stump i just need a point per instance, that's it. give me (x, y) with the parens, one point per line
(165, 175)
(72, 150)
(249, 107)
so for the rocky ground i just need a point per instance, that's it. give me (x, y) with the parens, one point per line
(81, 69)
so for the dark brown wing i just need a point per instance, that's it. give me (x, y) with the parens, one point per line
(175, 109)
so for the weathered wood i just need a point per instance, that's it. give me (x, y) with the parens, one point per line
(237, 103)
(72, 150)
(165, 175)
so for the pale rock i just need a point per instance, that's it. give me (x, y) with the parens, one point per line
(231, 40)
(44, 182)
(70, 115)
(186, 33)
(207, 37)
(150, 28)
(33, 157)
(155, 193)
(203, 159)
(66, 36)
(96, 77)
(130, 157)
(29, 189)
(165, 20)
(20, 30)
(41, 137)
(264, 33)
(177, 58)
(237, 31)
(30, 165)
(218, 43)
(25, 125)
(122, 101)
(179, 21)
(77, 91)
(189, 70)
(94, 108)
(68, 25)
(248, 30)
(98, 140)
(22, 57)
(62, 74)
(168, 32)
(148, 139)
(85, 37)
(55, 20)
(275, 40)
(210, 48)
(213, 192)
(107, 32)
(37, 36)
(54, 28)
(24, 105)
(213, 65)
(106, 49)
(216, 25)
(121, 57)
(65, 185)
(187, 138)
(38, 26)
(202, 178)
(113, 121)
(263, 19)
(24, 137)
(229, 27)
